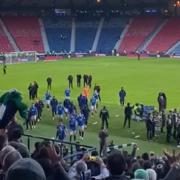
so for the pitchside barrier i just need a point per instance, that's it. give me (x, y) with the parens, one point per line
(74, 150)
(118, 147)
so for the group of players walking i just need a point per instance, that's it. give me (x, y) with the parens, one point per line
(155, 122)
(67, 110)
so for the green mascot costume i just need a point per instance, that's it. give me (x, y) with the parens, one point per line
(10, 103)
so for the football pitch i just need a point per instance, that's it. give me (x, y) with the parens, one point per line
(142, 80)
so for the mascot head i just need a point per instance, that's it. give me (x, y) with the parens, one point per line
(10, 103)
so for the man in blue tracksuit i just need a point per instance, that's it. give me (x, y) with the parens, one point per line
(122, 95)
(61, 132)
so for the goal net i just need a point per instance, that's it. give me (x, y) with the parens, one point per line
(18, 57)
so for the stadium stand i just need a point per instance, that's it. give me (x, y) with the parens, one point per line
(5, 46)
(58, 32)
(25, 31)
(85, 34)
(139, 30)
(110, 34)
(167, 37)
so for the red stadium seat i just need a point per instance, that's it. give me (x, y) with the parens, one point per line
(26, 32)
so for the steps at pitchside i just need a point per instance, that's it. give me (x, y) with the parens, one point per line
(98, 33)
(122, 36)
(73, 36)
(175, 49)
(44, 35)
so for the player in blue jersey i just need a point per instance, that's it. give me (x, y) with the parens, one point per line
(72, 108)
(96, 95)
(33, 113)
(66, 104)
(81, 124)
(67, 93)
(61, 131)
(93, 104)
(47, 98)
(85, 111)
(53, 103)
(60, 111)
(72, 126)
(82, 101)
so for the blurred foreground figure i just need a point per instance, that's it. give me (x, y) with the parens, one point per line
(10, 103)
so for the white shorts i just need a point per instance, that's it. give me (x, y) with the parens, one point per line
(33, 118)
(81, 128)
(59, 116)
(48, 102)
(67, 97)
(93, 107)
(71, 132)
(66, 110)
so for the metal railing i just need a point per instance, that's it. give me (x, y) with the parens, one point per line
(73, 153)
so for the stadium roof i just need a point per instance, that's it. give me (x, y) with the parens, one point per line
(75, 4)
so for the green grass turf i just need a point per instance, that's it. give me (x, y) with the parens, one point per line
(142, 81)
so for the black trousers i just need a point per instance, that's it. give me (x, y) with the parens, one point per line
(70, 84)
(78, 83)
(122, 102)
(105, 122)
(127, 118)
(48, 86)
(168, 135)
(149, 134)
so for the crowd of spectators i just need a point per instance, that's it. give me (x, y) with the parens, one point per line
(47, 162)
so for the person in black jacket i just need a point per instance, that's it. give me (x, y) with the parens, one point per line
(162, 101)
(70, 80)
(78, 79)
(128, 114)
(30, 88)
(85, 78)
(149, 127)
(104, 115)
(90, 80)
(49, 82)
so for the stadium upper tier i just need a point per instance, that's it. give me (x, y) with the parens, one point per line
(139, 30)
(25, 31)
(167, 36)
(80, 35)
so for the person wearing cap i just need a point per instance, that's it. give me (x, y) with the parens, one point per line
(141, 174)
